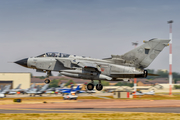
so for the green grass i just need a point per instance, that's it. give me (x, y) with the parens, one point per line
(91, 116)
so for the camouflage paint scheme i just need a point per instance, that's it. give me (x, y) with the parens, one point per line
(117, 67)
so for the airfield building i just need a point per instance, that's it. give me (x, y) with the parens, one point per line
(14, 79)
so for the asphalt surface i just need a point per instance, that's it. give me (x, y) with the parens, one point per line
(90, 106)
(93, 110)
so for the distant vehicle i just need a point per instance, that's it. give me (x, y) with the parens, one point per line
(38, 91)
(70, 96)
(115, 68)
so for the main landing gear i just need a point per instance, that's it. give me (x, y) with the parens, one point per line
(47, 80)
(99, 86)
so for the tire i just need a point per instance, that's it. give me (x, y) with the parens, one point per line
(47, 81)
(99, 87)
(90, 86)
(145, 73)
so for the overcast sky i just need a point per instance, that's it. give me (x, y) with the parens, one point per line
(95, 28)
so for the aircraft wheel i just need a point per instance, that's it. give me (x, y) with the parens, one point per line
(47, 81)
(99, 87)
(145, 73)
(90, 86)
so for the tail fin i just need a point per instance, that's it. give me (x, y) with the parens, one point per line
(18, 87)
(44, 87)
(72, 87)
(33, 85)
(1, 87)
(143, 55)
(78, 87)
(61, 85)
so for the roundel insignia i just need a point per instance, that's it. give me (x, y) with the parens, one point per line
(102, 69)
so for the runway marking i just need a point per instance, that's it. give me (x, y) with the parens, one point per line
(57, 110)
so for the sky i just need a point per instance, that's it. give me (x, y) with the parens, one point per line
(95, 28)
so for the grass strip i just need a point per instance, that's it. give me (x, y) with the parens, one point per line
(91, 116)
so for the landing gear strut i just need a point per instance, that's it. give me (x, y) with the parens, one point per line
(99, 86)
(47, 80)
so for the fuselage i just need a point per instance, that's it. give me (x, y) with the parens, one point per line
(81, 67)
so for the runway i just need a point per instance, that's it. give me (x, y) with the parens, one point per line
(92, 106)
(93, 110)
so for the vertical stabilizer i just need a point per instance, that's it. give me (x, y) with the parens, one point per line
(18, 87)
(143, 55)
(44, 88)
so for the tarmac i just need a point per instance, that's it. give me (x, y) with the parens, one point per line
(94, 106)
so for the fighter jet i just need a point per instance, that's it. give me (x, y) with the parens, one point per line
(29, 89)
(5, 90)
(55, 90)
(38, 91)
(76, 90)
(17, 89)
(116, 68)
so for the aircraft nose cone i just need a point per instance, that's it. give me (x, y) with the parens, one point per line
(22, 62)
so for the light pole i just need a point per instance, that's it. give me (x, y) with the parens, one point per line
(135, 79)
(170, 57)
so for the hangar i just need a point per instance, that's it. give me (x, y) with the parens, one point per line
(15, 79)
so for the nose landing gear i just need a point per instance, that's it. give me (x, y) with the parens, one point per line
(47, 80)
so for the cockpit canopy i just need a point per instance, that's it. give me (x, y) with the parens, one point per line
(54, 54)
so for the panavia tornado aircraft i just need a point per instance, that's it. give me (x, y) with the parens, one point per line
(115, 68)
